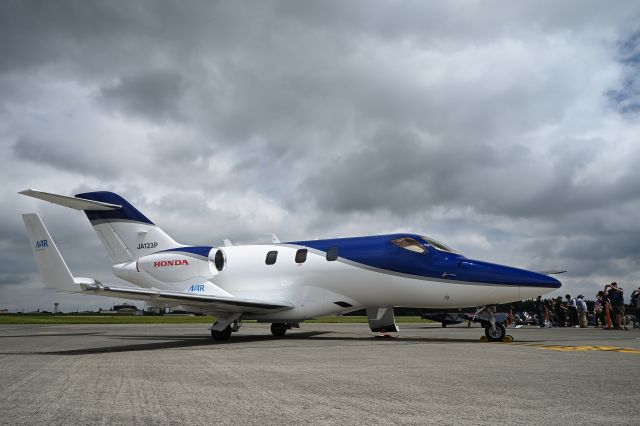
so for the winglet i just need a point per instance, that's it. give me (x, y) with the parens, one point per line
(71, 202)
(55, 272)
(274, 238)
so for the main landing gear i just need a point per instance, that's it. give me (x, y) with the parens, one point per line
(221, 336)
(279, 329)
(220, 333)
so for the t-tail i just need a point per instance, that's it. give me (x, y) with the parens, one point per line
(125, 232)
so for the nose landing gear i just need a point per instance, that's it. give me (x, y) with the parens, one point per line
(492, 323)
(495, 332)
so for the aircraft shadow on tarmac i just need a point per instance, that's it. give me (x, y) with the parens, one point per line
(181, 341)
(159, 342)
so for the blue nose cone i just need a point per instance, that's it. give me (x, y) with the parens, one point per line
(501, 274)
(525, 278)
(546, 281)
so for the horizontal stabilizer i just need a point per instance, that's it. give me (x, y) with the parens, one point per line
(71, 202)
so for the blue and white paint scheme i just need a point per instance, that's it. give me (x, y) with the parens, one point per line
(283, 283)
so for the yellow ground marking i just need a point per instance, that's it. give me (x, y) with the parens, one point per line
(589, 348)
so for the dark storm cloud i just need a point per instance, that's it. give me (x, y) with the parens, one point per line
(16, 253)
(58, 155)
(155, 95)
(413, 171)
(506, 128)
(36, 33)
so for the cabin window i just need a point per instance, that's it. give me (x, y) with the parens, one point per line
(438, 245)
(409, 244)
(272, 256)
(301, 256)
(332, 254)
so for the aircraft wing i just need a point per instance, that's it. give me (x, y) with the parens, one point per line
(161, 297)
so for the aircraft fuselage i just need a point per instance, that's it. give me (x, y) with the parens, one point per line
(335, 276)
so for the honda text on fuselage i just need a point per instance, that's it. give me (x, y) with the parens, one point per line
(279, 283)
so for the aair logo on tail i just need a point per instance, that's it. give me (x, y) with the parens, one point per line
(42, 244)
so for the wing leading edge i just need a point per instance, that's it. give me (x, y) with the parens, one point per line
(214, 303)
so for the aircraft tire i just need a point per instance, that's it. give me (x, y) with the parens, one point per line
(496, 334)
(221, 336)
(278, 329)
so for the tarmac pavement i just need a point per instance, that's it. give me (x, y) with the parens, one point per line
(319, 374)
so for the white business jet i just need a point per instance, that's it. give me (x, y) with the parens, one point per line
(280, 283)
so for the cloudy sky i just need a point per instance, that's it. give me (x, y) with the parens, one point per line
(509, 130)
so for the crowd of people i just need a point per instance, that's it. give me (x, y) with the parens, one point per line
(607, 311)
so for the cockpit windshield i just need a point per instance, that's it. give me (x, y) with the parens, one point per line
(409, 244)
(438, 245)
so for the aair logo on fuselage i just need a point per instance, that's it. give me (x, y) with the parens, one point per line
(42, 244)
(196, 287)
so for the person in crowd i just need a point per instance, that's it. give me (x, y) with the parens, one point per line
(607, 311)
(582, 310)
(561, 314)
(616, 297)
(635, 305)
(598, 310)
(551, 306)
(573, 311)
(539, 305)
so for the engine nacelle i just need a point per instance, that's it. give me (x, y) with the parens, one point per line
(175, 266)
(218, 258)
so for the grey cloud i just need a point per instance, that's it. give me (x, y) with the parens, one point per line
(34, 33)
(155, 95)
(402, 171)
(81, 159)
(16, 254)
(626, 97)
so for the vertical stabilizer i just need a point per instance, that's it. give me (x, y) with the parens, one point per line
(125, 232)
(55, 272)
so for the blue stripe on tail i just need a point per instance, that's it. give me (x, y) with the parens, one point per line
(127, 212)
